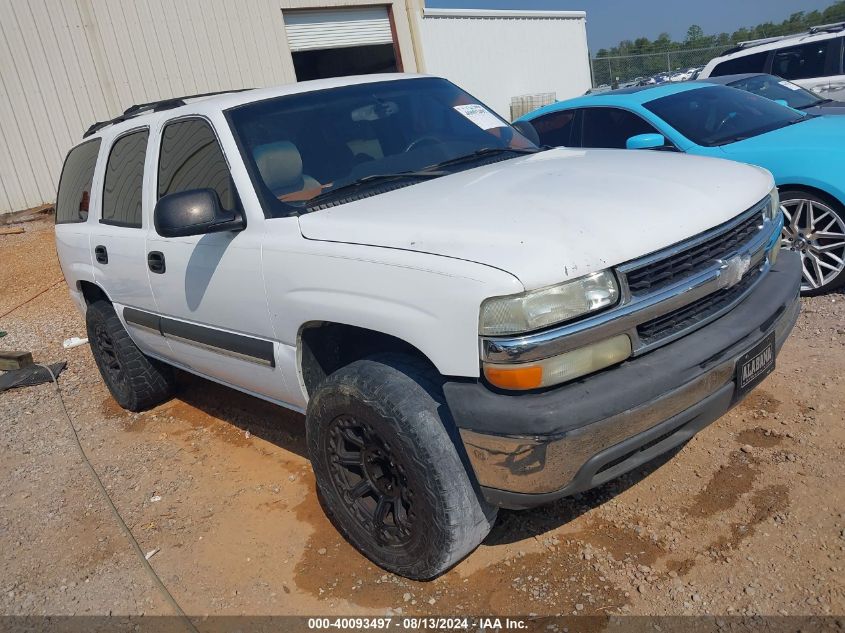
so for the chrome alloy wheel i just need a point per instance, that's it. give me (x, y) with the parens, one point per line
(817, 233)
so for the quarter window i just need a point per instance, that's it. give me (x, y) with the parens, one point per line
(75, 184)
(755, 63)
(191, 158)
(801, 62)
(611, 127)
(555, 129)
(125, 180)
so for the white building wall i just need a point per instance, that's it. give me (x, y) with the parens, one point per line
(496, 55)
(65, 64)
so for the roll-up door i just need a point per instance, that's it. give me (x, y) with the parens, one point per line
(341, 28)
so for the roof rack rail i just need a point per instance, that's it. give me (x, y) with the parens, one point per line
(153, 106)
(833, 27)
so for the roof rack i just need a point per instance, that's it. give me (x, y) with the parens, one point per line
(833, 27)
(153, 106)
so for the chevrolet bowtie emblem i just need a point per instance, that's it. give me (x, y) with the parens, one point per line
(732, 270)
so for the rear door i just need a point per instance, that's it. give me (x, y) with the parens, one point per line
(209, 289)
(117, 242)
(815, 65)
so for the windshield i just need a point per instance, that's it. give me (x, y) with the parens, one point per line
(773, 88)
(301, 148)
(718, 115)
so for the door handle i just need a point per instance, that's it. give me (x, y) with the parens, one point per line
(155, 260)
(101, 254)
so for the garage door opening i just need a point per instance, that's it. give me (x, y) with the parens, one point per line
(341, 62)
(338, 43)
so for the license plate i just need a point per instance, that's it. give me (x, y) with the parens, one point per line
(755, 365)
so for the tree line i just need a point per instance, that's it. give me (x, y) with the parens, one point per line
(696, 38)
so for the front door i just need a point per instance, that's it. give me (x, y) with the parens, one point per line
(209, 288)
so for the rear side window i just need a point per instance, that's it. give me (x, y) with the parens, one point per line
(555, 129)
(755, 63)
(611, 127)
(75, 184)
(191, 158)
(124, 180)
(801, 62)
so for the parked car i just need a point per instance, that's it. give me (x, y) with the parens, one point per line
(781, 90)
(812, 59)
(466, 321)
(804, 152)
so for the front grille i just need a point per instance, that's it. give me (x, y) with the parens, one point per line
(693, 313)
(664, 272)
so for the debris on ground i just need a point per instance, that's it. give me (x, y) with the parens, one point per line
(74, 341)
(30, 376)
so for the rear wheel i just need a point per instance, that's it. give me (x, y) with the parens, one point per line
(815, 228)
(135, 381)
(389, 474)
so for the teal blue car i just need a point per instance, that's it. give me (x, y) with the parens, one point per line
(805, 153)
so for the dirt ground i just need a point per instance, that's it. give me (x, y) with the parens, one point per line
(748, 518)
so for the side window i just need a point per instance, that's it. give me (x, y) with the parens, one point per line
(611, 127)
(801, 62)
(75, 183)
(191, 158)
(124, 180)
(755, 63)
(555, 129)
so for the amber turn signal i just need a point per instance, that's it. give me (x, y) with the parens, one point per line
(523, 377)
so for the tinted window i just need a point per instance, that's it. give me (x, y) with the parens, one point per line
(124, 180)
(718, 115)
(755, 63)
(611, 127)
(191, 158)
(75, 184)
(555, 129)
(801, 62)
(777, 88)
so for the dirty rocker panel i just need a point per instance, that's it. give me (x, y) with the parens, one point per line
(246, 348)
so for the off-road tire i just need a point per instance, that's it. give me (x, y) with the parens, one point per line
(399, 400)
(136, 381)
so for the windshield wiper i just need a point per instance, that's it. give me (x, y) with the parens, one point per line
(484, 151)
(371, 180)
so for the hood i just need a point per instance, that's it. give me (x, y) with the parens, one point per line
(551, 216)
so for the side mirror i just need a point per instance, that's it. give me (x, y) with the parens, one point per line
(194, 212)
(782, 102)
(645, 141)
(528, 131)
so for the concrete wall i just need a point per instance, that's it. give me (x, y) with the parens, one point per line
(65, 64)
(496, 55)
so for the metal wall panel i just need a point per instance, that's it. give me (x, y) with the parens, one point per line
(65, 64)
(497, 55)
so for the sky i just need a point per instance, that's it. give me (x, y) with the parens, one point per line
(609, 21)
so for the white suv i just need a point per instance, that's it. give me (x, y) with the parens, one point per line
(467, 321)
(813, 60)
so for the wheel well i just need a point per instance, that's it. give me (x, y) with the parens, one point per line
(92, 292)
(326, 347)
(824, 195)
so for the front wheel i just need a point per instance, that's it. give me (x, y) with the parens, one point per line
(815, 229)
(389, 475)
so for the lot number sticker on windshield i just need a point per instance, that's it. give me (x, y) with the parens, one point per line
(480, 115)
(790, 85)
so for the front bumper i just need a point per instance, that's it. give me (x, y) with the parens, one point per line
(528, 449)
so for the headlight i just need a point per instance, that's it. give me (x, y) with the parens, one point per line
(540, 308)
(773, 208)
(557, 369)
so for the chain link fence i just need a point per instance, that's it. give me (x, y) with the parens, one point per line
(671, 65)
